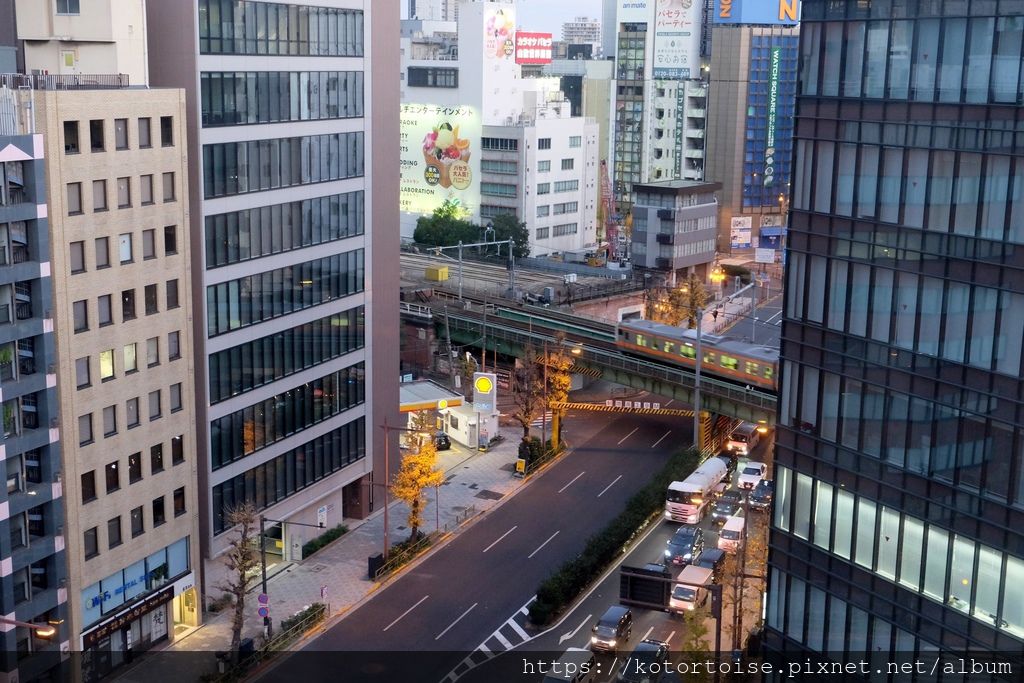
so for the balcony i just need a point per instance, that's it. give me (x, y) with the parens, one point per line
(20, 253)
(666, 238)
(663, 263)
(23, 310)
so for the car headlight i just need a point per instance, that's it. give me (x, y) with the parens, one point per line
(668, 553)
(593, 639)
(611, 643)
(687, 556)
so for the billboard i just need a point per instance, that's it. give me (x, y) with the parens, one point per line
(677, 39)
(784, 12)
(773, 109)
(631, 11)
(739, 232)
(533, 48)
(440, 157)
(499, 33)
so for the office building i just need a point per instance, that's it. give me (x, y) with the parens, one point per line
(33, 571)
(674, 226)
(583, 31)
(899, 502)
(294, 201)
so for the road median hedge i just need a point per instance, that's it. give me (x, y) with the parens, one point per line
(568, 581)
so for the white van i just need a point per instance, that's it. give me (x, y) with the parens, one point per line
(577, 665)
(690, 592)
(743, 439)
(732, 535)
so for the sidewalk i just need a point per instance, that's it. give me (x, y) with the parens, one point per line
(474, 482)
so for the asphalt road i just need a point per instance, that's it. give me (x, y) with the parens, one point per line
(766, 329)
(422, 624)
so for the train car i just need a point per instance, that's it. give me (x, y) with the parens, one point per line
(723, 357)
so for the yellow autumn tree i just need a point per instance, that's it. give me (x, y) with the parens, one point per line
(419, 471)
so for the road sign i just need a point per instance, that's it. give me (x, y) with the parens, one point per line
(263, 599)
(263, 612)
(321, 516)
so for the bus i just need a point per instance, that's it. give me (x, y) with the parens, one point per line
(743, 439)
(688, 500)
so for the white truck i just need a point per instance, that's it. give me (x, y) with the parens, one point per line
(691, 591)
(686, 501)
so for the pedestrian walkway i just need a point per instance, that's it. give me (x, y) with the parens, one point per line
(474, 482)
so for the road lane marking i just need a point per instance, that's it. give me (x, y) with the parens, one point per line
(661, 439)
(486, 650)
(669, 639)
(609, 486)
(772, 318)
(518, 629)
(567, 636)
(406, 612)
(456, 621)
(542, 545)
(648, 634)
(502, 639)
(571, 482)
(501, 537)
(669, 403)
(628, 435)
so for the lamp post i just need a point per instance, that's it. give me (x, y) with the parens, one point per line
(42, 630)
(460, 279)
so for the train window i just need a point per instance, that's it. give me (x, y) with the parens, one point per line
(769, 373)
(668, 346)
(728, 362)
(641, 340)
(710, 358)
(753, 369)
(687, 352)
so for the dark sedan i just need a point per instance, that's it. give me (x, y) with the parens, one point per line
(684, 545)
(637, 668)
(761, 496)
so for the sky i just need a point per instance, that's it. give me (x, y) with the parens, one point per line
(547, 16)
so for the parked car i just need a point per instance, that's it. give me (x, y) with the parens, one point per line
(762, 495)
(442, 441)
(726, 506)
(613, 629)
(713, 559)
(686, 543)
(752, 473)
(637, 667)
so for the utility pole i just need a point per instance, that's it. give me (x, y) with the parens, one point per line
(460, 270)
(451, 353)
(511, 271)
(696, 385)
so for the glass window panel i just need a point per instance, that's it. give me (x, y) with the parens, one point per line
(962, 573)
(855, 31)
(936, 559)
(843, 531)
(911, 552)
(795, 609)
(1013, 606)
(823, 519)
(836, 625)
(954, 38)
(866, 513)
(888, 543)
(877, 51)
(925, 62)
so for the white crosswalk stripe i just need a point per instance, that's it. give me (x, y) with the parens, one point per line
(518, 629)
(540, 421)
(501, 640)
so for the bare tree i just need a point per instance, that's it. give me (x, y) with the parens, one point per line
(528, 389)
(467, 367)
(241, 559)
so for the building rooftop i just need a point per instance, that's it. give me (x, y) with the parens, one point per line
(686, 186)
(426, 394)
(65, 81)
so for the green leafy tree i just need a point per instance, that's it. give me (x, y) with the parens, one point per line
(528, 389)
(419, 471)
(241, 559)
(694, 647)
(505, 227)
(446, 227)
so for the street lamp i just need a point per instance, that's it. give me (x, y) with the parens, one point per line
(42, 630)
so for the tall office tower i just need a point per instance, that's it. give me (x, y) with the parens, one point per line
(750, 129)
(899, 503)
(294, 223)
(33, 580)
(583, 31)
(117, 210)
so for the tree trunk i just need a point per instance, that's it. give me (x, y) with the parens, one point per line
(237, 620)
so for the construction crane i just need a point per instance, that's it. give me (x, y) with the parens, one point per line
(608, 220)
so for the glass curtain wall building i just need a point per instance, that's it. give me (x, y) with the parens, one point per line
(899, 472)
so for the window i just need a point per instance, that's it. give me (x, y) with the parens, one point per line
(564, 229)
(90, 541)
(114, 532)
(170, 240)
(153, 351)
(113, 477)
(543, 188)
(544, 143)
(158, 511)
(109, 421)
(82, 372)
(128, 305)
(566, 207)
(175, 397)
(138, 524)
(130, 358)
(179, 502)
(543, 210)
(85, 429)
(543, 166)
(124, 247)
(566, 185)
(131, 409)
(71, 137)
(77, 257)
(156, 458)
(173, 345)
(106, 365)
(99, 195)
(102, 252)
(151, 302)
(177, 450)
(89, 486)
(145, 139)
(576, 141)
(433, 77)
(124, 193)
(96, 135)
(134, 467)
(499, 167)
(146, 189)
(172, 294)
(169, 187)
(154, 405)
(167, 131)
(499, 144)
(104, 315)
(81, 313)
(74, 198)
(120, 133)
(148, 244)
(567, 164)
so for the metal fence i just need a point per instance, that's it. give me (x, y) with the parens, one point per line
(279, 643)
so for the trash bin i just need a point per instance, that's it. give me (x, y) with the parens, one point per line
(245, 647)
(373, 565)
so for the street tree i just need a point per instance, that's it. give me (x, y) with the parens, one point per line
(676, 305)
(446, 227)
(528, 389)
(508, 226)
(418, 472)
(694, 647)
(559, 383)
(241, 559)
(467, 368)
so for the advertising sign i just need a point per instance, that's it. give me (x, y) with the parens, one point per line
(499, 33)
(440, 157)
(533, 48)
(773, 108)
(781, 12)
(484, 392)
(740, 232)
(677, 39)
(634, 11)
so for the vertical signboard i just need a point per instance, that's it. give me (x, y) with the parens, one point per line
(677, 39)
(533, 48)
(440, 157)
(499, 33)
(680, 124)
(773, 107)
(739, 232)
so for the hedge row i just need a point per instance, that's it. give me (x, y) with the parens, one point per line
(569, 580)
(310, 547)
